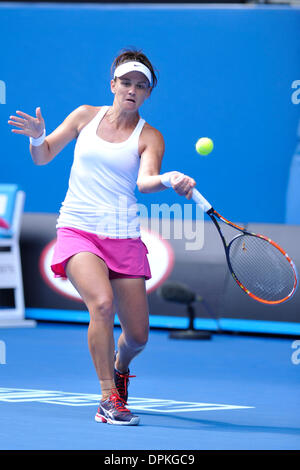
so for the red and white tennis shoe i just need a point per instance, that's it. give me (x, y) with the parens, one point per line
(114, 411)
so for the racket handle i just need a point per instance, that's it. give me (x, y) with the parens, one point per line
(199, 199)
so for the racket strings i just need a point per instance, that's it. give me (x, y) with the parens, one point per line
(261, 268)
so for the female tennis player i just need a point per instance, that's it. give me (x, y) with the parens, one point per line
(99, 248)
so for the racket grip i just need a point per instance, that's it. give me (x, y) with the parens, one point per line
(199, 199)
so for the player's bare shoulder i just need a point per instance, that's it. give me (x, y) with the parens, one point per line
(151, 137)
(150, 132)
(84, 114)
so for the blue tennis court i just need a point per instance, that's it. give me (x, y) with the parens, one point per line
(230, 392)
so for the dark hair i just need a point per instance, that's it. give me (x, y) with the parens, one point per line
(128, 55)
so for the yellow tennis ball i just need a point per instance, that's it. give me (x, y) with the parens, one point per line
(204, 146)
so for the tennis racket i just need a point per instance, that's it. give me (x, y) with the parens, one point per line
(260, 267)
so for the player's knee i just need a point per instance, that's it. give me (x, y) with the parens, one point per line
(138, 340)
(101, 308)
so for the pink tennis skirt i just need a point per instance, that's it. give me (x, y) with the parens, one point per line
(124, 257)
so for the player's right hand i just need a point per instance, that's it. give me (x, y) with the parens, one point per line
(183, 184)
(28, 125)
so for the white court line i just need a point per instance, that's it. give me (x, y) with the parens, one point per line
(157, 405)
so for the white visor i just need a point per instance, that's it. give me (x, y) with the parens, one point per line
(133, 67)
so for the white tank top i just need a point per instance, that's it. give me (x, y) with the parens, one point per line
(100, 197)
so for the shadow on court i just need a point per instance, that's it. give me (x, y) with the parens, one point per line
(184, 422)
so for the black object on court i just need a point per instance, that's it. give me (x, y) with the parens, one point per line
(179, 293)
